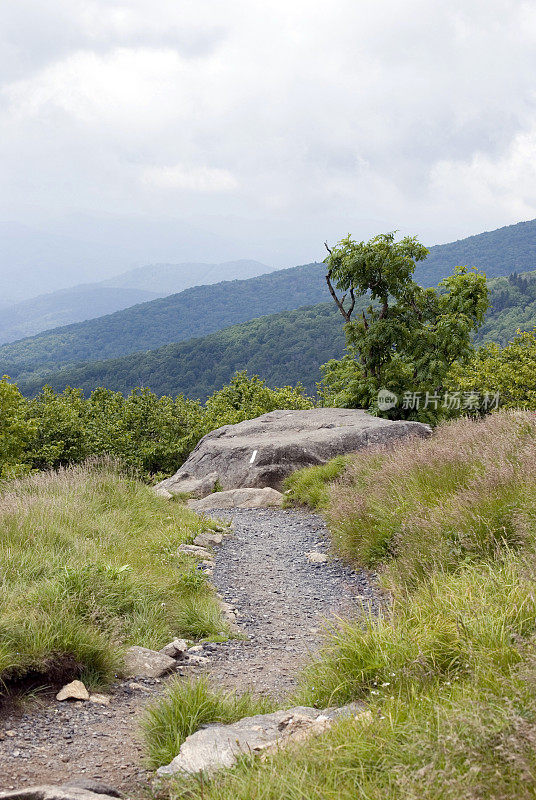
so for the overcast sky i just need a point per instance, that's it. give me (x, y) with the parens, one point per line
(152, 130)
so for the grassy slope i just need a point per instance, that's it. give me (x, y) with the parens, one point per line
(88, 566)
(449, 672)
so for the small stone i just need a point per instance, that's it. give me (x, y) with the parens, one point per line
(176, 649)
(11, 733)
(193, 550)
(208, 539)
(73, 691)
(197, 661)
(138, 687)
(100, 699)
(140, 661)
(316, 558)
(197, 648)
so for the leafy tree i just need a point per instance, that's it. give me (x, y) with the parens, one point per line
(16, 430)
(408, 338)
(509, 371)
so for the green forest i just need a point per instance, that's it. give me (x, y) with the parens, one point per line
(283, 348)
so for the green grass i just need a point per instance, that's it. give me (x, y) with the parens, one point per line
(448, 670)
(310, 486)
(184, 708)
(88, 567)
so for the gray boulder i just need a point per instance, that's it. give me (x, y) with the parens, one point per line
(218, 746)
(238, 498)
(261, 452)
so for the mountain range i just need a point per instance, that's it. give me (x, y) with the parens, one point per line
(93, 300)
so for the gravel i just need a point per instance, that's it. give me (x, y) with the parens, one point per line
(282, 602)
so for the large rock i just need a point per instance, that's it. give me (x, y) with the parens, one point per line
(239, 498)
(219, 746)
(263, 451)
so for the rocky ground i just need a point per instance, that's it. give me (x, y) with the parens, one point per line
(273, 570)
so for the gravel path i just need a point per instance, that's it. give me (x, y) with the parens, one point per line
(282, 600)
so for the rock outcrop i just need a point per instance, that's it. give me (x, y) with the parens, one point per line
(261, 452)
(219, 746)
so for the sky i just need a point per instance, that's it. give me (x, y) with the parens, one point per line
(207, 130)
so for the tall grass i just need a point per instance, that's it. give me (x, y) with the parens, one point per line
(89, 566)
(448, 669)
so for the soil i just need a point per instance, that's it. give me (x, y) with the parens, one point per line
(282, 602)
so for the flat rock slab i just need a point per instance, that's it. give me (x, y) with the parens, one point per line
(238, 498)
(54, 793)
(141, 662)
(219, 746)
(264, 451)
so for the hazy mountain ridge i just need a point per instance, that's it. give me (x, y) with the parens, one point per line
(92, 300)
(195, 312)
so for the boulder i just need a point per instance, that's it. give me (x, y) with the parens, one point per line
(238, 498)
(144, 663)
(73, 691)
(219, 746)
(262, 452)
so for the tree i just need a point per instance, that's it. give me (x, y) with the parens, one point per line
(16, 430)
(409, 337)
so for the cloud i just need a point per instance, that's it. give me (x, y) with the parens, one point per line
(195, 179)
(271, 121)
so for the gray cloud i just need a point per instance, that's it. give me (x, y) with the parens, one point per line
(268, 125)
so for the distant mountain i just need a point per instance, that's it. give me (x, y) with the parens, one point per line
(172, 278)
(195, 312)
(65, 306)
(282, 348)
(499, 252)
(92, 300)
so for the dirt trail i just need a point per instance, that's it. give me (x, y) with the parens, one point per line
(282, 600)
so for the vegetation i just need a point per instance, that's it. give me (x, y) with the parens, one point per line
(507, 374)
(448, 669)
(194, 312)
(409, 338)
(184, 708)
(151, 435)
(293, 343)
(88, 567)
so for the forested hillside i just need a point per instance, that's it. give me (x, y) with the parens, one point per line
(499, 252)
(283, 348)
(195, 312)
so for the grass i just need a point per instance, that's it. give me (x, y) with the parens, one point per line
(448, 670)
(88, 567)
(310, 486)
(187, 706)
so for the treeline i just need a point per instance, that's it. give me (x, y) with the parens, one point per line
(149, 434)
